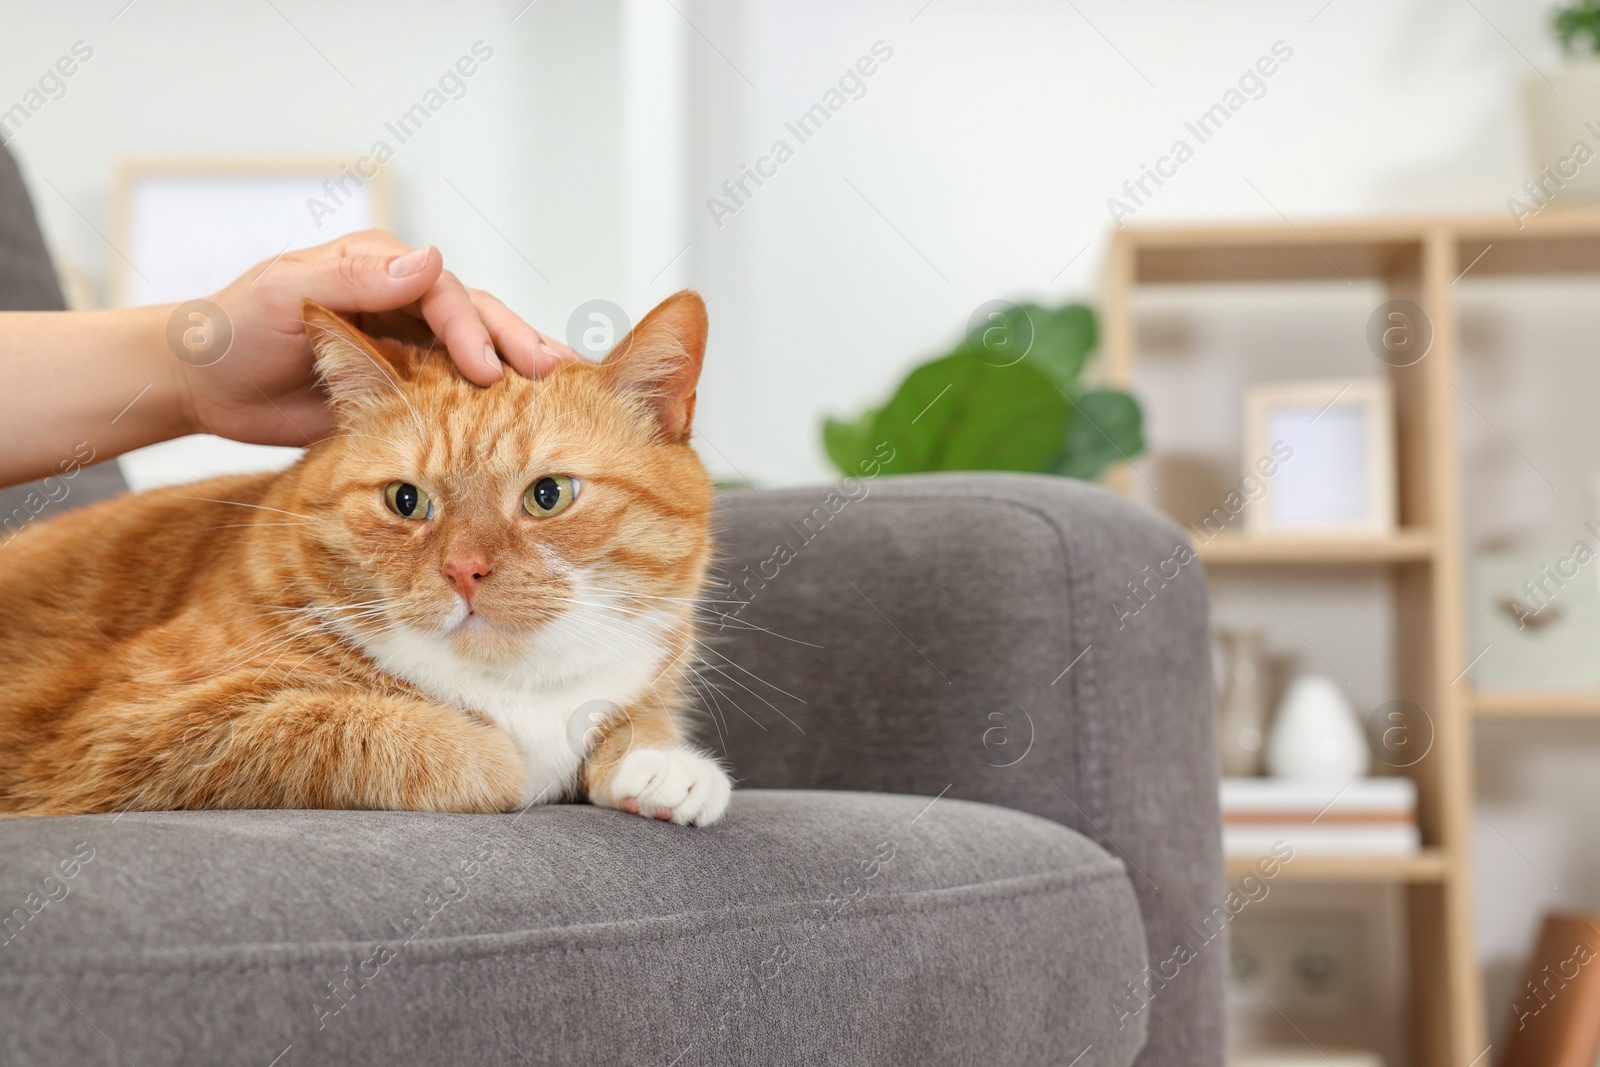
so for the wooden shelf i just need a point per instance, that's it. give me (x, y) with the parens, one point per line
(1427, 865)
(1403, 546)
(1522, 704)
(1420, 259)
(1562, 240)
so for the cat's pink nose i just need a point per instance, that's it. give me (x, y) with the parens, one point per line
(465, 572)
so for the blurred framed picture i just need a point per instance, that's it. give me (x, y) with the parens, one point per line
(1334, 442)
(184, 228)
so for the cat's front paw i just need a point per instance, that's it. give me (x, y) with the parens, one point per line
(672, 784)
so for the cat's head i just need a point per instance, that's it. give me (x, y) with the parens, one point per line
(557, 524)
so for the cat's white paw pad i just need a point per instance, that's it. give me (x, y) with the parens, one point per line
(675, 785)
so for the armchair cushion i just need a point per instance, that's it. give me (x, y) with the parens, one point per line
(811, 927)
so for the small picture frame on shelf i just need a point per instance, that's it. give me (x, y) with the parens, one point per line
(1334, 443)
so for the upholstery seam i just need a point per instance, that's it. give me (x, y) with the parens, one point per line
(1093, 878)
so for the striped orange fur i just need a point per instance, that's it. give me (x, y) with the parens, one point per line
(292, 640)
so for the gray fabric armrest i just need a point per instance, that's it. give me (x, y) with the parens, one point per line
(27, 280)
(977, 636)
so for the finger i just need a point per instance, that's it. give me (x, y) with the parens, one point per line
(363, 243)
(366, 243)
(447, 307)
(550, 354)
(532, 353)
(363, 282)
(517, 341)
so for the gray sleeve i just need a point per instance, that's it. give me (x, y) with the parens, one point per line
(27, 279)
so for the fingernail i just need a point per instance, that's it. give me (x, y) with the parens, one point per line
(410, 263)
(548, 350)
(489, 357)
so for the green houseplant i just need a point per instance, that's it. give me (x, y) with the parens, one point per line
(1007, 398)
(1577, 26)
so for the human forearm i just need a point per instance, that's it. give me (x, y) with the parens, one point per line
(104, 379)
(108, 380)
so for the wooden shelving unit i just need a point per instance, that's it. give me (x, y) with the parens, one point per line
(1429, 865)
(1421, 260)
(1535, 704)
(1237, 549)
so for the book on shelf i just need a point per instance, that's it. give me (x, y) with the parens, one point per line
(1555, 1011)
(1360, 817)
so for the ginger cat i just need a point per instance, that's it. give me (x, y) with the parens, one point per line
(464, 599)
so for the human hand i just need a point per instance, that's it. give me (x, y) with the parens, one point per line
(263, 390)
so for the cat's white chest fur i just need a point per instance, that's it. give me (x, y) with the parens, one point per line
(582, 664)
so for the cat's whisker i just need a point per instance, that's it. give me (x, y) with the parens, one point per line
(299, 612)
(260, 649)
(280, 632)
(243, 504)
(298, 664)
(709, 689)
(263, 672)
(715, 687)
(755, 676)
(747, 714)
(247, 525)
(610, 631)
(694, 601)
(431, 346)
(701, 602)
(757, 695)
(746, 624)
(710, 704)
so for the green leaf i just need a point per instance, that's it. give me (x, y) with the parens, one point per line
(1056, 342)
(1109, 428)
(846, 442)
(1005, 335)
(1062, 342)
(964, 413)
(1577, 26)
(1006, 399)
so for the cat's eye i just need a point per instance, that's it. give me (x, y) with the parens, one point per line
(407, 501)
(550, 495)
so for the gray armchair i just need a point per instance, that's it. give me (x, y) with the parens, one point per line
(977, 796)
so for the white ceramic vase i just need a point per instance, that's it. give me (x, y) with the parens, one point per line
(1316, 736)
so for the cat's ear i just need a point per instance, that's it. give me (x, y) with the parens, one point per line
(660, 359)
(352, 364)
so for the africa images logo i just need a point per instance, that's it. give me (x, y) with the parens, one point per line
(851, 85)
